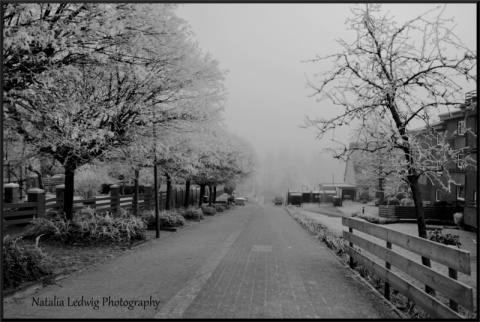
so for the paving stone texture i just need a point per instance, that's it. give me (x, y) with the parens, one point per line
(251, 262)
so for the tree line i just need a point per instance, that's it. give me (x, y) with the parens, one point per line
(119, 84)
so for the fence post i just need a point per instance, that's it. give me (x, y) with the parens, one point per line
(11, 193)
(37, 195)
(148, 197)
(386, 291)
(115, 195)
(453, 274)
(350, 230)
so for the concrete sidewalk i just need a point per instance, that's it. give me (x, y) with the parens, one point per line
(250, 262)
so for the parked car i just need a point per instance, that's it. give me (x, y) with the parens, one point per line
(278, 200)
(240, 201)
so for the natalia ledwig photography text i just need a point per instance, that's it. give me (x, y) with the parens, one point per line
(95, 303)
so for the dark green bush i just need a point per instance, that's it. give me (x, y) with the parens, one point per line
(219, 208)
(88, 227)
(446, 239)
(208, 211)
(21, 263)
(393, 202)
(193, 213)
(168, 218)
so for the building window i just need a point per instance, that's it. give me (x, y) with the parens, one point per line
(461, 128)
(461, 193)
(460, 161)
(438, 195)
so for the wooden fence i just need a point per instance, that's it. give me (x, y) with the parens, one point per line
(453, 258)
(431, 212)
(37, 206)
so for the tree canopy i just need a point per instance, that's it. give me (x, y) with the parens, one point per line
(82, 80)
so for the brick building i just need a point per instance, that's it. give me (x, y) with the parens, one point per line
(459, 129)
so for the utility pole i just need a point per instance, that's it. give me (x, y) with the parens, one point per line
(155, 174)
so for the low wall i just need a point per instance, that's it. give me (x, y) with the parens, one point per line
(431, 212)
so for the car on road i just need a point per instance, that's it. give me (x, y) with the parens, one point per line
(240, 201)
(278, 200)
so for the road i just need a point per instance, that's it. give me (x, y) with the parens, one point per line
(253, 261)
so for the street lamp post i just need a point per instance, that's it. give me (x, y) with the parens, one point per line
(155, 179)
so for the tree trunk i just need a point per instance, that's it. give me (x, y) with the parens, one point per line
(381, 191)
(69, 192)
(422, 227)
(39, 175)
(135, 194)
(186, 202)
(169, 192)
(155, 189)
(202, 193)
(210, 195)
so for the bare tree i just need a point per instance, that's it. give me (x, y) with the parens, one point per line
(398, 72)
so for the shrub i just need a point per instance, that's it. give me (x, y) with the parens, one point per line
(193, 213)
(171, 218)
(208, 211)
(447, 239)
(228, 206)
(219, 208)
(168, 218)
(458, 218)
(393, 202)
(88, 227)
(407, 202)
(21, 263)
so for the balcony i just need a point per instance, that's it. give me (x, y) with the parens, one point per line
(471, 97)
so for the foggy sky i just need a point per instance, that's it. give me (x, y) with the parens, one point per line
(263, 45)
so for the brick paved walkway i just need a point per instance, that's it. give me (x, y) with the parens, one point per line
(251, 262)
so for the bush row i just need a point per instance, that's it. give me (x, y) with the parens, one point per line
(87, 227)
(23, 262)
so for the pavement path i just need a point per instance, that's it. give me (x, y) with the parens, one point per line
(253, 261)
